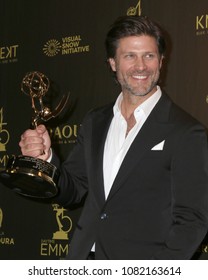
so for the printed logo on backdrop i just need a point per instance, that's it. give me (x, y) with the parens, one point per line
(203, 248)
(4, 240)
(137, 10)
(74, 44)
(8, 54)
(65, 46)
(64, 134)
(202, 25)
(4, 139)
(58, 245)
(64, 223)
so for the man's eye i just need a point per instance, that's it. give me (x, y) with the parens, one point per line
(149, 55)
(130, 55)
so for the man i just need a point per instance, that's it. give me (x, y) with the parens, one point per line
(141, 164)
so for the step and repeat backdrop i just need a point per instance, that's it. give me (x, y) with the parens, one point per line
(64, 40)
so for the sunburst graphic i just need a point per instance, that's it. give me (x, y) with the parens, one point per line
(52, 47)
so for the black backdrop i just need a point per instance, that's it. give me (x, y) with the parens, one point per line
(65, 41)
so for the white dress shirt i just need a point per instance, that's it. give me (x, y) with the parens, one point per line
(117, 143)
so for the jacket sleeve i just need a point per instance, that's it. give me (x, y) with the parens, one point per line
(189, 187)
(73, 182)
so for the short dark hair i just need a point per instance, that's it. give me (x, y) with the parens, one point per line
(133, 26)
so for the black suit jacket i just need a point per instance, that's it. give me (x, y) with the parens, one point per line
(158, 205)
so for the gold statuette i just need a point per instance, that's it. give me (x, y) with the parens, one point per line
(26, 175)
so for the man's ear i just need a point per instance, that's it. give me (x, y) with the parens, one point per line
(112, 64)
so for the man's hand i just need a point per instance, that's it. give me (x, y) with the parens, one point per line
(36, 143)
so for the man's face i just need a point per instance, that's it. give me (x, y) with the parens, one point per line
(137, 64)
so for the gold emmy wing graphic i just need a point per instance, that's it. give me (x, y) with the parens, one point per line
(4, 134)
(61, 220)
(132, 11)
(26, 175)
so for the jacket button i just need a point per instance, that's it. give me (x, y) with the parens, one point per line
(103, 216)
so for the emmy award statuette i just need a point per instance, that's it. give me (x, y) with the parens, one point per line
(29, 176)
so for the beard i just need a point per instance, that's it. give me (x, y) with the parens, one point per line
(141, 88)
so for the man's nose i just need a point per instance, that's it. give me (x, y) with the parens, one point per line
(140, 63)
